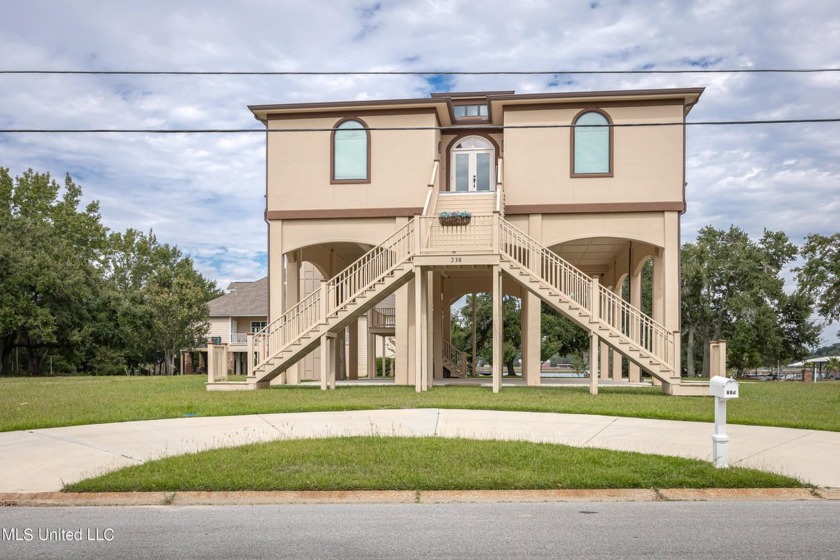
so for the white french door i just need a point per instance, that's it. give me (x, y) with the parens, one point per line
(473, 165)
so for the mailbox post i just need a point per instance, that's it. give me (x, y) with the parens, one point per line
(722, 389)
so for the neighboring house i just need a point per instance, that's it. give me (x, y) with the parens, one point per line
(241, 310)
(569, 195)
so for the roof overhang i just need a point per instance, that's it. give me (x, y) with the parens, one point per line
(497, 100)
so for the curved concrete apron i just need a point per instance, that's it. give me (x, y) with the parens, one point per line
(42, 460)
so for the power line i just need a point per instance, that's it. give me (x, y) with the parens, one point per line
(399, 128)
(419, 72)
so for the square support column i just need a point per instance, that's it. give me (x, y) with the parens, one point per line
(404, 335)
(438, 325)
(371, 349)
(605, 361)
(498, 355)
(634, 371)
(616, 365)
(420, 297)
(593, 363)
(353, 350)
(531, 337)
(327, 361)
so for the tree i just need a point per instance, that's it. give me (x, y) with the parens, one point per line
(559, 335)
(51, 255)
(163, 305)
(732, 289)
(93, 302)
(819, 277)
(832, 366)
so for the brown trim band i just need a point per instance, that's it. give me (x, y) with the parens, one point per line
(342, 213)
(595, 208)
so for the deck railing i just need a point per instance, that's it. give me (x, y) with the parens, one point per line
(475, 236)
(238, 338)
(335, 294)
(638, 327)
(545, 264)
(383, 318)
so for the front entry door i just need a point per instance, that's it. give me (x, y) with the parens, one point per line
(472, 165)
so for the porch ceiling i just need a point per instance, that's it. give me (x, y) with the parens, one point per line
(593, 255)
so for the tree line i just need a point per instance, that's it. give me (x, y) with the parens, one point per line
(78, 298)
(733, 288)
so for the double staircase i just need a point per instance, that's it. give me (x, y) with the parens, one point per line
(490, 237)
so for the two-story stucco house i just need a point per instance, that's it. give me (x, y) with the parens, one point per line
(568, 194)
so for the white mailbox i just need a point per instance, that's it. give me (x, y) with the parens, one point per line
(723, 387)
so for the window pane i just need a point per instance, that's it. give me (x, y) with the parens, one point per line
(482, 164)
(472, 110)
(462, 172)
(350, 151)
(482, 110)
(460, 110)
(592, 145)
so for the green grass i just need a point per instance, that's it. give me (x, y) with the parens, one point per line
(383, 463)
(28, 403)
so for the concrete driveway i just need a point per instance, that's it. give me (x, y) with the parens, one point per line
(42, 460)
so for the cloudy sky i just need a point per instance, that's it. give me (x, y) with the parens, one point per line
(204, 192)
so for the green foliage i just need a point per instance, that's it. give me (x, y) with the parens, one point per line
(819, 277)
(163, 304)
(462, 330)
(559, 335)
(73, 295)
(732, 289)
(51, 252)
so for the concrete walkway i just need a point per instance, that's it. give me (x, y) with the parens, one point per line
(41, 460)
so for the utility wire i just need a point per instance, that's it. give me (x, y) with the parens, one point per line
(403, 128)
(419, 72)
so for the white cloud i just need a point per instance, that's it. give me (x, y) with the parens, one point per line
(205, 192)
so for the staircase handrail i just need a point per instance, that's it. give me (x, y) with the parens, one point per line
(370, 267)
(303, 316)
(434, 188)
(631, 322)
(455, 356)
(285, 329)
(618, 314)
(552, 269)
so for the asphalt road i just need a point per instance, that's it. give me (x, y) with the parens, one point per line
(543, 530)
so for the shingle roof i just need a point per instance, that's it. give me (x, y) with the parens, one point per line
(244, 299)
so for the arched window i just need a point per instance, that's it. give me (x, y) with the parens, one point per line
(350, 152)
(592, 145)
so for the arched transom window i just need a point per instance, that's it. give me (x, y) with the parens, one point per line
(472, 165)
(351, 152)
(592, 144)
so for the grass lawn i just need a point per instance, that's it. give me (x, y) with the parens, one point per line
(27, 403)
(383, 463)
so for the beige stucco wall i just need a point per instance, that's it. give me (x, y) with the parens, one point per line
(647, 160)
(304, 233)
(401, 164)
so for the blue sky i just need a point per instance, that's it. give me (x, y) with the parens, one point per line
(204, 193)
